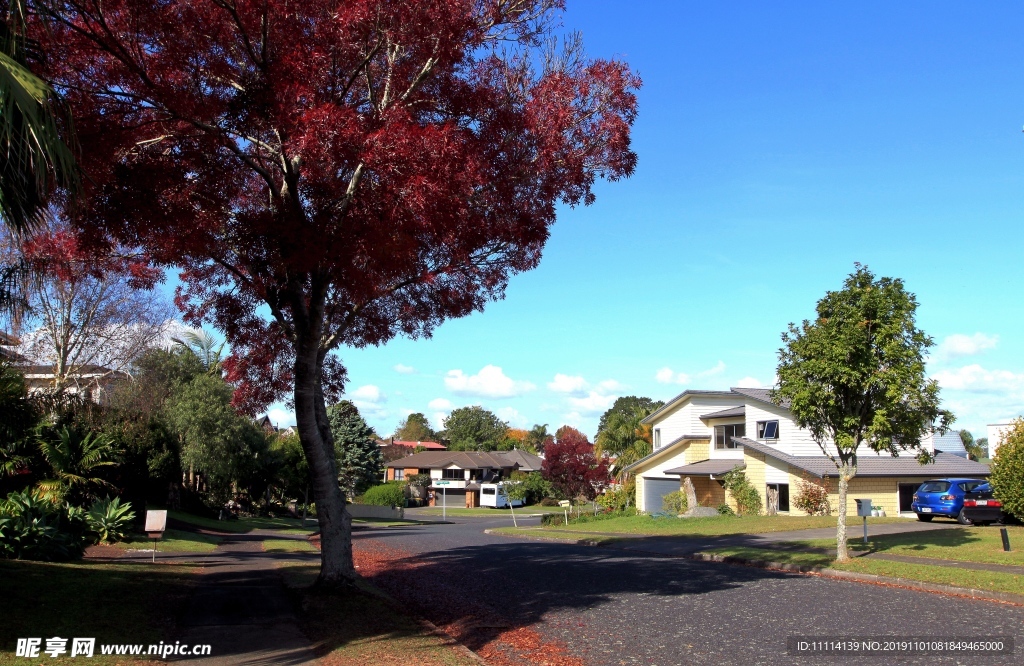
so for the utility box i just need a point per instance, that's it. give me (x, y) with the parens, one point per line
(863, 507)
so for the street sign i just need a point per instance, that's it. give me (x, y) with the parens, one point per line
(442, 483)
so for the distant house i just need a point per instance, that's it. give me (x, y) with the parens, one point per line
(996, 435)
(92, 381)
(456, 475)
(701, 435)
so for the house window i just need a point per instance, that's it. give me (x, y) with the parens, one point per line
(399, 474)
(767, 429)
(725, 433)
(453, 474)
(783, 490)
(657, 438)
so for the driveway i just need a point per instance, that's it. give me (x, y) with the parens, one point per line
(614, 607)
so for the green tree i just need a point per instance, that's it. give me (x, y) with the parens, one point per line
(415, 428)
(474, 429)
(1007, 477)
(628, 404)
(206, 348)
(856, 376)
(216, 441)
(18, 418)
(625, 437)
(359, 459)
(982, 445)
(974, 451)
(77, 461)
(537, 437)
(36, 139)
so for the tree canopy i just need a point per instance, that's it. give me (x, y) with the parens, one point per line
(571, 466)
(415, 428)
(628, 404)
(474, 429)
(357, 170)
(855, 376)
(360, 462)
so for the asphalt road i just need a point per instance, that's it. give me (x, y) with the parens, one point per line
(615, 607)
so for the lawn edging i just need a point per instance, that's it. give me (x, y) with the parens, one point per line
(826, 572)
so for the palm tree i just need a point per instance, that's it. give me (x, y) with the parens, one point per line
(36, 137)
(206, 349)
(626, 439)
(75, 461)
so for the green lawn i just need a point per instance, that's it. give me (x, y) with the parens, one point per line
(968, 544)
(288, 546)
(362, 628)
(173, 541)
(486, 511)
(243, 525)
(713, 526)
(111, 602)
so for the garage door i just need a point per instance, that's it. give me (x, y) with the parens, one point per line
(450, 498)
(655, 490)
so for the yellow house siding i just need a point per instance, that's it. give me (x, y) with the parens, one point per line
(755, 473)
(698, 449)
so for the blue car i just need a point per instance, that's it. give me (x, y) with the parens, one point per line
(943, 497)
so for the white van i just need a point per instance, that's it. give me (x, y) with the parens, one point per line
(493, 495)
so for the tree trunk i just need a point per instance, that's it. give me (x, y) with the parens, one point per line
(691, 494)
(846, 472)
(336, 566)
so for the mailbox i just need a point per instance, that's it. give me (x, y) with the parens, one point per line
(863, 507)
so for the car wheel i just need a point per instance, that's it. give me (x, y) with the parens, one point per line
(963, 519)
(924, 519)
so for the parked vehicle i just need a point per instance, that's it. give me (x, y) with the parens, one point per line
(493, 495)
(981, 507)
(944, 497)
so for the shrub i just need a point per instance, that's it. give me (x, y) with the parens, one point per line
(726, 510)
(1007, 477)
(537, 489)
(617, 500)
(584, 517)
(391, 493)
(420, 480)
(32, 528)
(748, 500)
(549, 501)
(812, 497)
(110, 519)
(675, 503)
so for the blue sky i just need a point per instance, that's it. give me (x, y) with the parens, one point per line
(778, 144)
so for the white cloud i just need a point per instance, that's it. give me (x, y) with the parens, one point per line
(667, 376)
(440, 404)
(512, 416)
(437, 419)
(281, 418)
(977, 379)
(370, 401)
(749, 382)
(568, 384)
(594, 403)
(490, 382)
(609, 386)
(959, 345)
(404, 369)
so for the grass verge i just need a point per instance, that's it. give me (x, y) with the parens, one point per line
(712, 526)
(926, 573)
(111, 602)
(967, 544)
(173, 541)
(359, 627)
(243, 525)
(288, 546)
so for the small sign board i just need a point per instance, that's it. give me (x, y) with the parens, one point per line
(156, 523)
(442, 483)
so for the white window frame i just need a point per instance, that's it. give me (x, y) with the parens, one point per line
(657, 438)
(763, 425)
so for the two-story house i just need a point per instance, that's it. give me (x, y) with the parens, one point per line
(456, 475)
(701, 435)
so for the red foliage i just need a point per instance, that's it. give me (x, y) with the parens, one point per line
(571, 466)
(331, 173)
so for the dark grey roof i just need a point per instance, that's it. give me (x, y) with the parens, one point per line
(715, 467)
(946, 464)
(950, 443)
(658, 452)
(724, 413)
(463, 460)
(527, 461)
(760, 394)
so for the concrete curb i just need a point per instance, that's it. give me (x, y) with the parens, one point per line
(873, 579)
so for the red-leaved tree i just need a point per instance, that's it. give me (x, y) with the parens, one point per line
(332, 173)
(571, 466)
